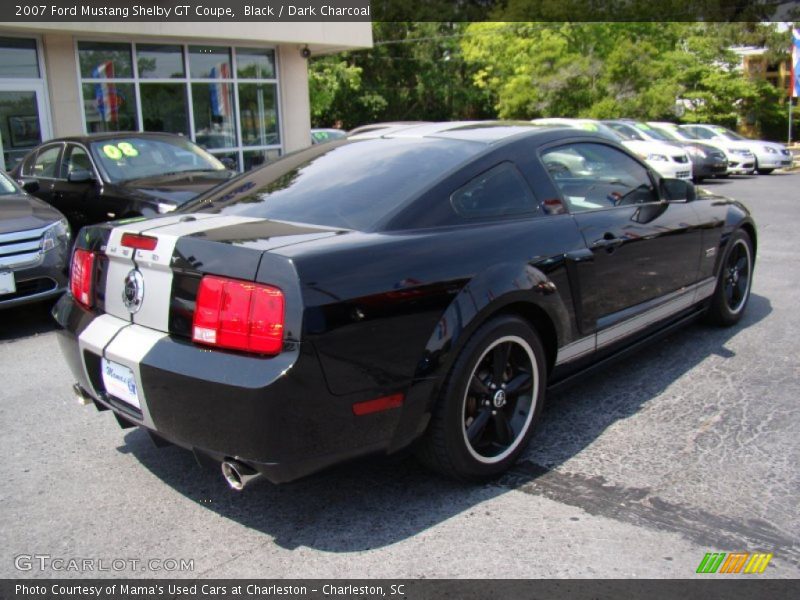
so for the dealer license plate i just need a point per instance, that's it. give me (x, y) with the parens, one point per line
(7, 283)
(120, 382)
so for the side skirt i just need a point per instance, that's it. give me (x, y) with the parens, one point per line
(627, 350)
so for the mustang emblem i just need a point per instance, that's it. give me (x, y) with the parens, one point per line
(133, 293)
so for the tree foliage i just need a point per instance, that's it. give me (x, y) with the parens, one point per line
(415, 71)
(524, 70)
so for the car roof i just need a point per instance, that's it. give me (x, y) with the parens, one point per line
(486, 132)
(92, 137)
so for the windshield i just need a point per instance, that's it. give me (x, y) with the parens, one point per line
(731, 135)
(669, 134)
(7, 186)
(350, 185)
(653, 133)
(126, 158)
(696, 133)
(626, 132)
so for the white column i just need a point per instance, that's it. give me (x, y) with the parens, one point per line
(294, 107)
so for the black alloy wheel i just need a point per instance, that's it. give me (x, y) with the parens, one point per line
(490, 402)
(498, 403)
(735, 280)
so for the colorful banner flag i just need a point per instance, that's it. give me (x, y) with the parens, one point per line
(220, 92)
(105, 94)
(795, 62)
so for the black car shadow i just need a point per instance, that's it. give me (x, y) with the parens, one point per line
(379, 501)
(26, 320)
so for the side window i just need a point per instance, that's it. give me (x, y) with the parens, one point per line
(75, 159)
(595, 176)
(46, 162)
(27, 166)
(501, 191)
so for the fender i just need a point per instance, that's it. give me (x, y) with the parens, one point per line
(737, 217)
(538, 288)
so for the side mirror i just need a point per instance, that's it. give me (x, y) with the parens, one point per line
(29, 185)
(678, 190)
(80, 176)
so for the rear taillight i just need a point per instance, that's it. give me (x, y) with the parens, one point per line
(80, 279)
(239, 315)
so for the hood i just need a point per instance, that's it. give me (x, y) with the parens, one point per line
(177, 188)
(20, 212)
(642, 147)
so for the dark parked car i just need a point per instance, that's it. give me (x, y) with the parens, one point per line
(106, 176)
(364, 295)
(34, 245)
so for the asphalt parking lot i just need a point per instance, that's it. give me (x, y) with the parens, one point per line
(690, 446)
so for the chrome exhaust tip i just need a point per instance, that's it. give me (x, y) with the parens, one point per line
(238, 475)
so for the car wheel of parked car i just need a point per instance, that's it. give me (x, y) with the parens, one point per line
(734, 282)
(489, 403)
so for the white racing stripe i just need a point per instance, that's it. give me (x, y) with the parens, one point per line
(155, 266)
(112, 335)
(129, 348)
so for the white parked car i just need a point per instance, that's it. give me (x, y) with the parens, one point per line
(665, 159)
(768, 155)
(741, 160)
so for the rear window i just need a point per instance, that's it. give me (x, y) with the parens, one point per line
(352, 185)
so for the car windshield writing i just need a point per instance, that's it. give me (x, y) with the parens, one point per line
(127, 158)
(353, 185)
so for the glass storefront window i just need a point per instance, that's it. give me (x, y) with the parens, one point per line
(20, 127)
(221, 92)
(18, 58)
(257, 113)
(164, 107)
(109, 106)
(159, 61)
(213, 115)
(103, 60)
(255, 63)
(258, 158)
(209, 62)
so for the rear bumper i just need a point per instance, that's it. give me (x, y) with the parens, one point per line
(41, 281)
(274, 414)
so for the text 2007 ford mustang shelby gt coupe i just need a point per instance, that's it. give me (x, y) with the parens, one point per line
(423, 286)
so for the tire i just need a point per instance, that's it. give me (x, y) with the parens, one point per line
(765, 171)
(734, 282)
(479, 426)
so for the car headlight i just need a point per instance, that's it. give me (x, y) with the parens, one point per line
(57, 233)
(656, 157)
(770, 150)
(164, 208)
(696, 151)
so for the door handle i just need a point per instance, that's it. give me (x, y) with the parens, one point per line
(609, 241)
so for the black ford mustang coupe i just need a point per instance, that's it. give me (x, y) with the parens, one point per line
(424, 286)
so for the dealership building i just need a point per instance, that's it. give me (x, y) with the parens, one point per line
(238, 89)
